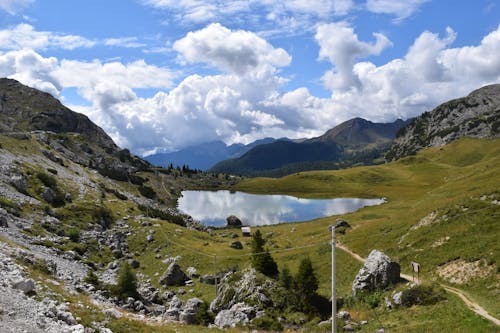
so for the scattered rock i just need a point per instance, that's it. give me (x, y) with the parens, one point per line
(208, 279)
(192, 272)
(342, 223)
(233, 221)
(239, 313)
(189, 313)
(396, 298)
(26, 285)
(349, 328)
(134, 263)
(150, 238)
(344, 315)
(174, 276)
(378, 272)
(236, 245)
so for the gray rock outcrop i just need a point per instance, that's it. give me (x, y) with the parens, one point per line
(378, 272)
(189, 313)
(174, 276)
(239, 313)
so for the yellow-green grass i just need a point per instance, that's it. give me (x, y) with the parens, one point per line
(449, 180)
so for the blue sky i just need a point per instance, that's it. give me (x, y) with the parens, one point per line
(159, 75)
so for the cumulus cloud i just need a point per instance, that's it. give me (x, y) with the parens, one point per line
(340, 45)
(230, 51)
(401, 9)
(24, 36)
(430, 73)
(243, 105)
(14, 6)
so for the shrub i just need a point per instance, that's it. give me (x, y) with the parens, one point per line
(268, 323)
(127, 283)
(423, 294)
(306, 285)
(147, 191)
(73, 234)
(92, 278)
(103, 216)
(47, 180)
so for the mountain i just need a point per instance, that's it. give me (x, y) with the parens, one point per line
(205, 155)
(359, 133)
(476, 115)
(356, 141)
(25, 110)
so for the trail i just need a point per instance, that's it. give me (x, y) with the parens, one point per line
(470, 304)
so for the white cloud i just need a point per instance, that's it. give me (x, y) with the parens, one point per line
(269, 17)
(236, 52)
(341, 46)
(128, 42)
(14, 6)
(24, 36)
(401, 9)
(430, 73)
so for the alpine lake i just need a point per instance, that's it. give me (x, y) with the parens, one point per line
(213, 207)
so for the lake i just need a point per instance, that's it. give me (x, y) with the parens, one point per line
(213, 207)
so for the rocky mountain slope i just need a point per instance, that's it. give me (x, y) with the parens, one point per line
(476, 115)
(356, 141)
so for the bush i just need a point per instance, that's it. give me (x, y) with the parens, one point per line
(47, 180)
(160, 214)
(147, 191)
(127, 283)
(268, 323)
(73, 234)
(92, 279)
(423, 294)
(103, 216)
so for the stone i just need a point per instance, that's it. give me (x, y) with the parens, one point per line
(174, 276)
(27, 286)
(4, 218)
(189, 312)
(238, 314)
(378, 272)
(396, 298)
(342, 223)
(233, 221)
(48, 195)
(208, 279)
(192, 272)
(349, 328)
(20, 183)
(134, 263)
(150, 238)
(236, 245)
(344, 315)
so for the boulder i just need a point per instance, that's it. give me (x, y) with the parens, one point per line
(246, 286)
(27, 286)
(342, 224)
(174, 276)
(20, 183)
(378, 272)
(233, 221)
(208, 279)
(236, 245)
(175, 307)
(189, 314)
(192, 272)
(344, 315)
(397, 297)
(134, 263)
(238, 314)
(4, 218)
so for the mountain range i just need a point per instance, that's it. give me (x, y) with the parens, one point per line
(204, 155)
(356, 141)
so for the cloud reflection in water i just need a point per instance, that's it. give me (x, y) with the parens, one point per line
(213, 207)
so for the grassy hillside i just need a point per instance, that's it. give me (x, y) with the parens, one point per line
(458, 182)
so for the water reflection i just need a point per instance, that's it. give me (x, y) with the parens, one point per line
(213, 207)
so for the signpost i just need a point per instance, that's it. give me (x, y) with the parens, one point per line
(415, 268)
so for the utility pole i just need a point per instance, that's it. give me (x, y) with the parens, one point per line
(215, 274)
(334, 294)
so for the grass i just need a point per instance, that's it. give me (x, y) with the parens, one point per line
(450, 181)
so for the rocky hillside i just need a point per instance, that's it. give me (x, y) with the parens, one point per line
(476, 115)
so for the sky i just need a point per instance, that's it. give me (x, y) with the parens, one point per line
(161, 75)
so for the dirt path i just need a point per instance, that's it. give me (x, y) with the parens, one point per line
(470, 304)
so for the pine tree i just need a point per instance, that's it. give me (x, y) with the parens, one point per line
(306, 284)
(127, 283)
(262, 260)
